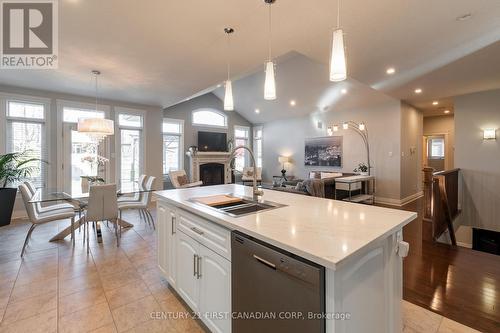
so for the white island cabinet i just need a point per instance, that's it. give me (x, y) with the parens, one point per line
(188, 259)
(360, 246)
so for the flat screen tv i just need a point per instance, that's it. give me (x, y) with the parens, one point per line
(211, 141)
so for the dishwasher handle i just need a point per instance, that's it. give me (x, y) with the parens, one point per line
(264, 262)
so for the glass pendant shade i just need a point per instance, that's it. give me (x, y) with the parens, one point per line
(228, 97)
(270, 83)
(338, 67)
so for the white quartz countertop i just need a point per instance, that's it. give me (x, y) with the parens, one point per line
(324, 231)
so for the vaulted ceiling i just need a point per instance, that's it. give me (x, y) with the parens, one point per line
(161, 52)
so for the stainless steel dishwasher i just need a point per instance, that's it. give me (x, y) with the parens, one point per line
(273, 290)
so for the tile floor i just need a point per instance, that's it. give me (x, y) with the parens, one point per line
(58, 288)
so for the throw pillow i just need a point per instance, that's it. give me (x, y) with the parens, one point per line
(182, 180)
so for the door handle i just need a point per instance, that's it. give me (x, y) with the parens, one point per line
(173, 225)
(198, 231)
(195, 264)
(198, 269)
(264, 261)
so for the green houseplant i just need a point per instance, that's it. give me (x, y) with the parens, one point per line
(14, 168)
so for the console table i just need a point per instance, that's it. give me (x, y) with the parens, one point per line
(364, 184)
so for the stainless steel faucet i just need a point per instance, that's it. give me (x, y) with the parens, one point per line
(256, 191)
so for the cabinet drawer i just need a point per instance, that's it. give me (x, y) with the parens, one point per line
(215, 237)
(345, 186)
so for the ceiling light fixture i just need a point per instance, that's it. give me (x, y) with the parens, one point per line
(335, 128)
(446, 111)
(270, 83)
(228, 96)
(390, 70)
(345, 125)
(293, 103)
(418, 91)
(257, 111)
(96, 128)
(344, 91)
(435, 103)
(338, 67)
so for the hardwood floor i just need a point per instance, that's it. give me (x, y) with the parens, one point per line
(458, 283)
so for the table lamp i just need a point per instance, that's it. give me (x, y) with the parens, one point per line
(283, 160)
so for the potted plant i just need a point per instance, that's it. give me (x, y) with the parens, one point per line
(14, 168)
(362, 169)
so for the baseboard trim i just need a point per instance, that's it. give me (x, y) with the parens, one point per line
(467, 245)
(19, 214)
(398, 202)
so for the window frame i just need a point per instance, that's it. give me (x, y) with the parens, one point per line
(61, 104)
(225, 126)
(430, 156)
(181, 140)
(142, 162)
(247, 139)
(5, 98)
(255, 138)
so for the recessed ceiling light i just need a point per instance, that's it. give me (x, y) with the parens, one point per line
(390, 70)
(344, 91)
(292, 102)
(446, 111)
(219, 85)
(464, 17)
(257, 111)
(418, 91)
(435, 103)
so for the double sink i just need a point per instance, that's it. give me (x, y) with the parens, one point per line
(242, 207)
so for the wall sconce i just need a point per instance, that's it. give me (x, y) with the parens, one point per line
(490, 134)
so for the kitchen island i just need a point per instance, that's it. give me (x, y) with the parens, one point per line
(359, 246)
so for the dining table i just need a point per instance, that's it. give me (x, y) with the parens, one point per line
(79, 200)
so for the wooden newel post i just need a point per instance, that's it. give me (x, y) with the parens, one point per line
(428, 175)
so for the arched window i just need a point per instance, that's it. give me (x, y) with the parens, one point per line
(210, 118)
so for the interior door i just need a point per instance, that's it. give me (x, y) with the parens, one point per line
(188, 285)
(79, 158)
(215, 289)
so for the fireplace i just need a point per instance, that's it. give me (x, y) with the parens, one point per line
(212, 174)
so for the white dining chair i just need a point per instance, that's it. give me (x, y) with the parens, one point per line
(38, 207)
(142, 205)
(37, 218)
(102, 206)
(136, 197)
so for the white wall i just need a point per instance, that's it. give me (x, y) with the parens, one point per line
(411, 151)
(153, 137)
(286, 137)
(479, 160)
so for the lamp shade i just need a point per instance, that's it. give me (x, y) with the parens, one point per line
(284, 159)
(228, 97)
(338, 67)
(96, 126)
(270, 83)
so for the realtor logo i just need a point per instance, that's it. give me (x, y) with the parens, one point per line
(29, 34)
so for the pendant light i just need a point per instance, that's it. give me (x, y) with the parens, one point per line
(96, 128)
(228, 96)
(338, 67)
(270, 83)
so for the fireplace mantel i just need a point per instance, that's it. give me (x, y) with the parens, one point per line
(204, 157)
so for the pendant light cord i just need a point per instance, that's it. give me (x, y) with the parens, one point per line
(228, 56)
(95, 91)
(270, 33)
(338, 14)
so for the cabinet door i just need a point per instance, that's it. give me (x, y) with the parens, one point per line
(162, 239)
(170, 233)
(215, 290)
(188, 285)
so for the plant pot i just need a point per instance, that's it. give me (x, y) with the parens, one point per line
(7, 198)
